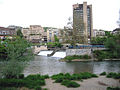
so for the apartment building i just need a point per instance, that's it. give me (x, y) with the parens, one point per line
(82, 22)
(7, 32)
(51, 32)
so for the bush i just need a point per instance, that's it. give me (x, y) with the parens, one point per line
(113, 88)
(77, 57)
(8, 88)
(45, 76)
(12, 83)
(38, 88)
(103, 73)
(21, 76)
(113, 75)
(45, 89)
(69, 83)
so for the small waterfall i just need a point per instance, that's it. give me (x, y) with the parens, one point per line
(59, 54)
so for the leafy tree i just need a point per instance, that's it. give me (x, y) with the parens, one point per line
(113, 45)
(19, 33)
(17, 50)
(56, 38)
(98, 40)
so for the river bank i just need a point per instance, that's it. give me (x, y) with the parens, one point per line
(87, 60)
(100, 83)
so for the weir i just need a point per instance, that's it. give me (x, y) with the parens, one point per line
(54, 51)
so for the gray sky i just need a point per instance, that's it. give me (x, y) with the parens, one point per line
(55, 13)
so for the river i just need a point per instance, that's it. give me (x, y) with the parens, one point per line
(51, 65)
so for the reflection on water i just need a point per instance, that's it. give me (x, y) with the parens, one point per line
(51, 65)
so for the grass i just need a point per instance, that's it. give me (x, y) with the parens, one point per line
(62, 78)
(69, 58)
(113, 88)
(31, 81)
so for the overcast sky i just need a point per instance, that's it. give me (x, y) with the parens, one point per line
(55, 13)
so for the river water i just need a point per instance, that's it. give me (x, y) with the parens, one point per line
(51, 65)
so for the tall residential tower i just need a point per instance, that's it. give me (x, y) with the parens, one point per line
(82, 22)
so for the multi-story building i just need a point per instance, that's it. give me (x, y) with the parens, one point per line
(82, 21)
(51, 32)
(7, 32)
(116, 31)
(35, 34)
(99, 33)
(26, 33)
(15, 27)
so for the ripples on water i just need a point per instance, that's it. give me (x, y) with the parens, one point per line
(51, 65)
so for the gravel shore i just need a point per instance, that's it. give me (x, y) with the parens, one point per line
(100, 83)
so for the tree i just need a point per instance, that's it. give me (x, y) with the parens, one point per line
(56, 38)
(113, 45)
(98, 40)
(19, 33)
(18, 50)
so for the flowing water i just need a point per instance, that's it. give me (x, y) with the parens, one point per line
(51, 65)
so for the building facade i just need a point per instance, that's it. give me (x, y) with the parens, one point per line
(82, 21)
(116, 31)
(7, 32)
(98, 33)
(51, 32)
(35, 34)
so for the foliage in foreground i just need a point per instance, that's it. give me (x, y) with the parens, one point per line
(112, 45)
(113, 88)
(69, 83)
(17, 50)
(31, 81)
(103, 73)
(62, 78)
(69, 58)
(113, 75)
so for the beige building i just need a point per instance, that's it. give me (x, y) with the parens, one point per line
(51, 32)
(35, 34)
(82, 22)
(26, 33)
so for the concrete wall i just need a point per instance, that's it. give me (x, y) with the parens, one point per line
(70, 52)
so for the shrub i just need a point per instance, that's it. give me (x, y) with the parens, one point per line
(77, 57)
(38, 88)
(45, 76)
(113, 88)
(21, 76)
(103, 73)
(45, 89)
(111, 75)
(69, 83)
(59, 80)
(12, 83)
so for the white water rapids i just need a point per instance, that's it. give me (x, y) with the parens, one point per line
(60, 54)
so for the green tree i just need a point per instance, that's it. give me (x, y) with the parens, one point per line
(113, 45)
(98, 40)
(18, 50)
(56, 38)
(19, 33)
